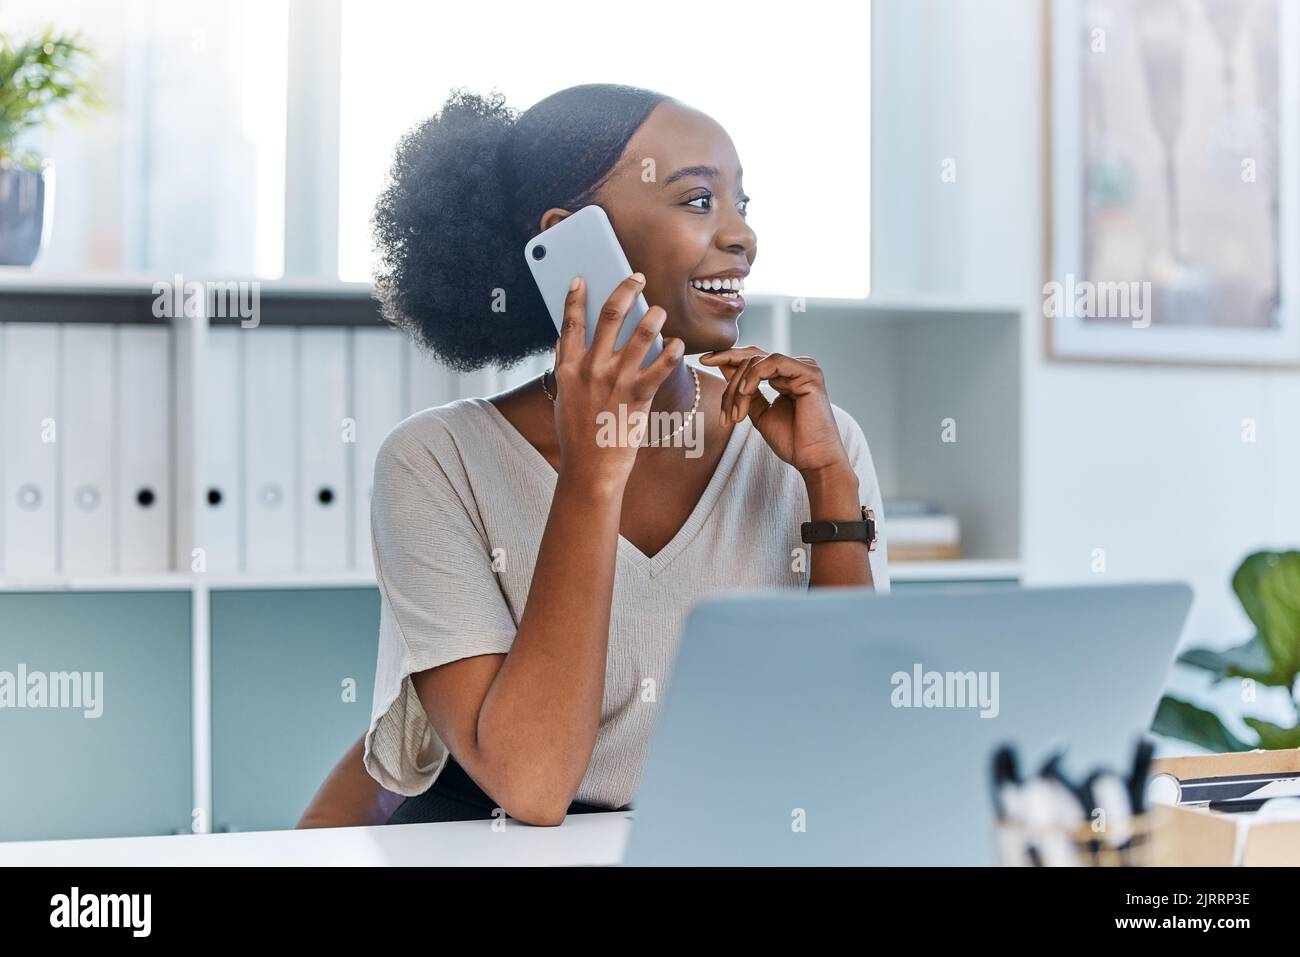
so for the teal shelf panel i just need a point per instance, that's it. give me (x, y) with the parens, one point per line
(280, 721)
(126, 772)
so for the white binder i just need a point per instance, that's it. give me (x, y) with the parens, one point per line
(144, 435)
(270, 447)
(221, 504)
(31, 435)
(325, 443)
(480, 383)
(429, 382)
(87, 441)
(377, 358)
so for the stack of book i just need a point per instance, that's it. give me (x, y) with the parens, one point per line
(1238, 793)
(920, 531)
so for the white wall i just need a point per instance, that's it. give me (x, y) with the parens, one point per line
(1145, 462)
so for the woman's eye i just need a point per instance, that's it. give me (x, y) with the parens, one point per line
(707, 200)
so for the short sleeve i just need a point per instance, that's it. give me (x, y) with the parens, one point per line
(439, 596)
(855, 444)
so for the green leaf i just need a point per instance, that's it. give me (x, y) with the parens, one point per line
(1186, 722)
(1268, 586)
(1245, 582)
(1279, 593)
(1249, 660)
(1275, 738)
(41, 75)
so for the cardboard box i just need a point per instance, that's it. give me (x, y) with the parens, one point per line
(1196, 837)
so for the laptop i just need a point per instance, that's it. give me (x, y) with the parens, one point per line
(810, 729)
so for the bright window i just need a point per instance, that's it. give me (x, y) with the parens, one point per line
(184, 168)
(790, 84)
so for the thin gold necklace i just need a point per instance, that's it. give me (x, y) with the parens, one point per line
(685, 422)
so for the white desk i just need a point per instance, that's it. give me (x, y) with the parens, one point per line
(583, 839)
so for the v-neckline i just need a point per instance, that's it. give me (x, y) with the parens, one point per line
(660, 560)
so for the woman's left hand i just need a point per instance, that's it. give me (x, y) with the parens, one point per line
(799, 424)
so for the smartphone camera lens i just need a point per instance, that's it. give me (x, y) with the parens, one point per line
(539, 252)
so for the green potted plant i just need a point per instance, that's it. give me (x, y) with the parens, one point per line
(39, 76)
(1268, 586)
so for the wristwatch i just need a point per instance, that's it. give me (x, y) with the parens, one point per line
(861, 531)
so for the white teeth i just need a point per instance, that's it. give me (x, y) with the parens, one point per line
(715, 284)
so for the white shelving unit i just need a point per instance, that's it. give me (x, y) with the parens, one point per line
(901, 367)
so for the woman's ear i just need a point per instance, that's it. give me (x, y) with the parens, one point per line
(553, 216)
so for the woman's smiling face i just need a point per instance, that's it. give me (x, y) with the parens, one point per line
(678, 208)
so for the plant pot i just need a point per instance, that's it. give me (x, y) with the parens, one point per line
(26, 213)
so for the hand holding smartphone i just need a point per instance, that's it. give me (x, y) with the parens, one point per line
(608, 367)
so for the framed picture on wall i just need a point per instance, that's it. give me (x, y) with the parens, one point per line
(1173, 186)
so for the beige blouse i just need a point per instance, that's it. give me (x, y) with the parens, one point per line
(460, 502)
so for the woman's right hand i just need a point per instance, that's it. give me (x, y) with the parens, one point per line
(600, 379)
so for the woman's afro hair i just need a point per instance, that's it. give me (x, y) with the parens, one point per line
(467, 190)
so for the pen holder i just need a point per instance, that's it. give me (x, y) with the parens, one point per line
(1021, 845)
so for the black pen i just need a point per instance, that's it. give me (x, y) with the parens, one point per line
(1137, 782)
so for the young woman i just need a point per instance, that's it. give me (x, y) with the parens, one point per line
(533, 578)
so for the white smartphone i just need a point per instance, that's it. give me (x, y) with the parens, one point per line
(583, 244)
